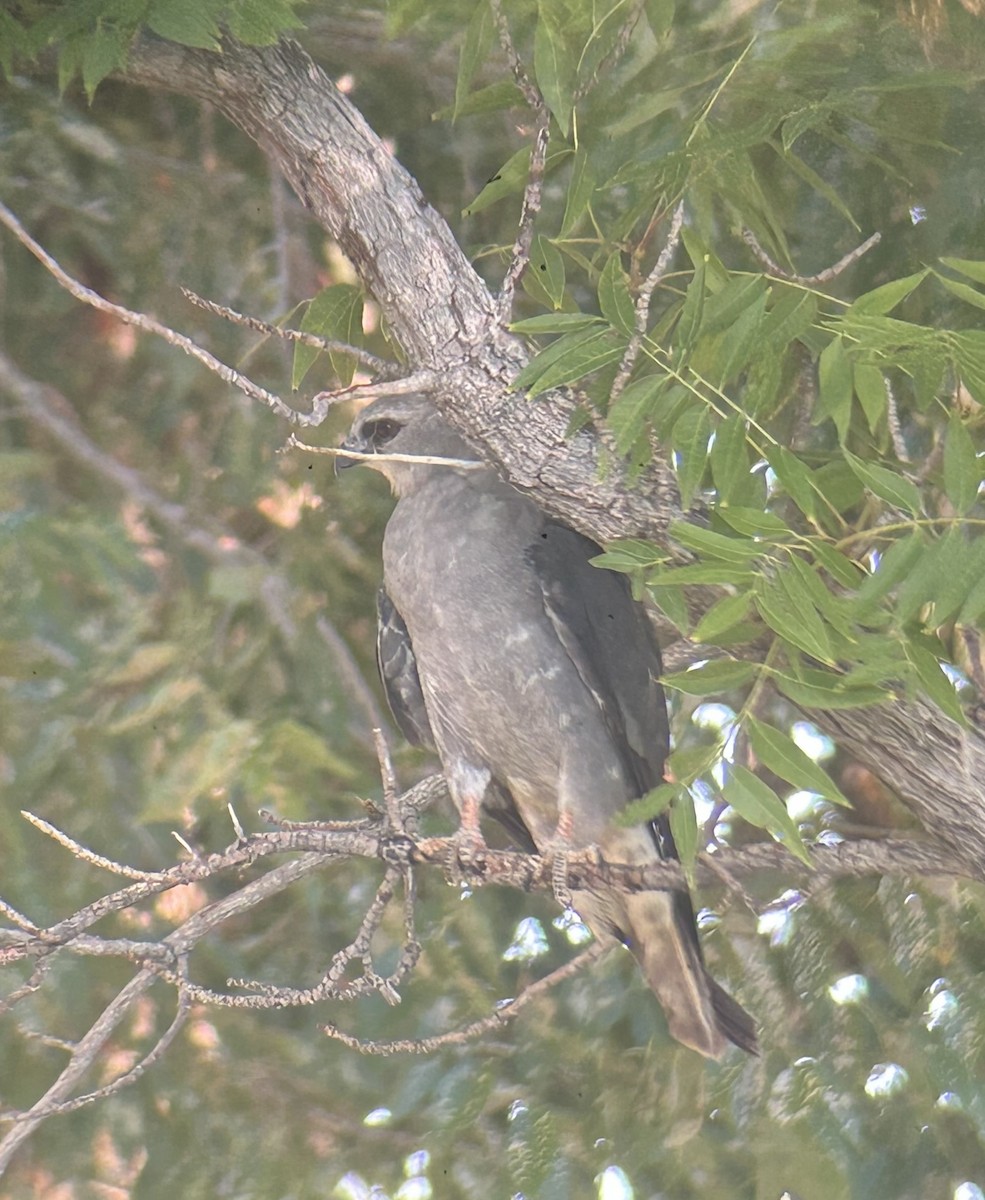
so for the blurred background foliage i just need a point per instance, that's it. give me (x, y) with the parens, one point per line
(158, 663)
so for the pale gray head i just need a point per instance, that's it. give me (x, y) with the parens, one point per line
(404, 425)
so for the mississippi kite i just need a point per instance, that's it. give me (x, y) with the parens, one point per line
(534, 676)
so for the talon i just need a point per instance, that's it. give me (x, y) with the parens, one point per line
(559, 878)
(467, 846)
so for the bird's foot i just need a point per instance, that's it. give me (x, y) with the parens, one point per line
(467, 847)
(561, 853)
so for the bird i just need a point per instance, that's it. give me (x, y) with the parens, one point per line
(534, 676)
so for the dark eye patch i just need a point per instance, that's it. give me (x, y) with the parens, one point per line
(382, 431)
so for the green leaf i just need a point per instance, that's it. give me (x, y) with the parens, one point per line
(629, 554)
(504, 93)
(754, 522)
(757, 803)
(794, 476)
(591, 354)
(715, 545)
(649, 806)
(673, 604)
(335, 313)
(781, 754)
(741, 341)
(581, 189)
(894, 565)
(729, 456)
(689, 440)
(822, 689)
(188, 22)
(261, 22)
(740, 296)
(839, 566)
(105, 50)
(557, 351)
(475, 48)
(963, 292)
(835, 380)
(792, 314)
(562, 322)
(554, 67)
(962, 471)
(973, 268)
(689, 321)
(723, 615)
(870, 387)
(886, 484)
(684, 831)
(969, 356)
(614, 299)
(943, 577)
(938, 687)
(786, 608)
(883, 299)
(835, 610)
(974, 604)
(546, 260)
(659, 16)
(508, 180)
(630, 416)
(693, 573)
(711, 678)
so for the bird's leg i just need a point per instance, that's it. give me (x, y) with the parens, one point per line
(560, 855)
(467, 843)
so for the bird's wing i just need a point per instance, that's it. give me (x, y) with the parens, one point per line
(405, 696)
(606, 635)
(398, 671)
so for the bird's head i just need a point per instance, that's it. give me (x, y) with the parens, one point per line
(396, 429)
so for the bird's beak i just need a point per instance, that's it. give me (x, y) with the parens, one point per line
(350, 443)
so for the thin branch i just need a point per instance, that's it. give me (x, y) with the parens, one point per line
(824, 276)
(643, 301)
(532, 199)
(150, 325)
(462, 464)
(533, 192)
(379, 366)
(84, 853)
(140, 1068)
(495, 1020)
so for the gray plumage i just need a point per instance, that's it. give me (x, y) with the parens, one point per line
(535, 677)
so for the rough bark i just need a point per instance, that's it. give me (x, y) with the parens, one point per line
(445, 320)
(439, 310)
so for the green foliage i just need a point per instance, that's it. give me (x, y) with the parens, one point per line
(92, 37)
(827, 436)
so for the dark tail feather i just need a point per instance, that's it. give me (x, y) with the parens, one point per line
(733, 1020)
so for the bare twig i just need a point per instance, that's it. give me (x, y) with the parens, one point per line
(463, 464)
(532, 198)
(495, 1020)
(86, 855)
(643, 301)
(533, 192)
(824, 276)
(150, 325)
(379, 366)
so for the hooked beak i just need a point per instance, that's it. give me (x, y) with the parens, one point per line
(349, 443)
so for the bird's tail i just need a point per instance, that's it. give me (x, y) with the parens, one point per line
(663, 938)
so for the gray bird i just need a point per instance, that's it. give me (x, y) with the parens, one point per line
(534, 676)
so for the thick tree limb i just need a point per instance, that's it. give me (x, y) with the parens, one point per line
(438, 308)
(409, 259)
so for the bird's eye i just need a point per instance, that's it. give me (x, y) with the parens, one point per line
(382, 431)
